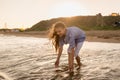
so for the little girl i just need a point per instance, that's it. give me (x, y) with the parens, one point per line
(74, 36)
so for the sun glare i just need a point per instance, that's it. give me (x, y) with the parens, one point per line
(67, 9)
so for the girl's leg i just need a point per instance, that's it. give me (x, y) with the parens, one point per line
(71, 61)
(78, 62)
(77, 49)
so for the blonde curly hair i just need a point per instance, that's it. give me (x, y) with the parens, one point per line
(53, 35)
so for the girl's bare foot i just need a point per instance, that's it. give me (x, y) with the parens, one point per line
(71, 73)
(78, 62)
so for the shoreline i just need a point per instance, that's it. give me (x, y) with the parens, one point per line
(91, 36)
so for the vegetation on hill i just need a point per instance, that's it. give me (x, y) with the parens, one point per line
(97, 22)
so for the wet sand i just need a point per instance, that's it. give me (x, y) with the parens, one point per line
(111, 36)
(32, 58)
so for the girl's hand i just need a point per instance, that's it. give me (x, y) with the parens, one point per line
(56, 63)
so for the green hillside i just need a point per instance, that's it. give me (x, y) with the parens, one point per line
(97, 22)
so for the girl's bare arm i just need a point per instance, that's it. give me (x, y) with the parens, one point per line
(58, 57)
(59, 52)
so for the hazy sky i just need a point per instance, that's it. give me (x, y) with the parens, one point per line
(18, 13)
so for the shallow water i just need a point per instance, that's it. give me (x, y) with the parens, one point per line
(29, 58)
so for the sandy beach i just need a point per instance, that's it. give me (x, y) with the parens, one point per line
(111, 36)
(32, 58)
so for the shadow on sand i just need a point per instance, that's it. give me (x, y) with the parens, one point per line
(63, 74)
